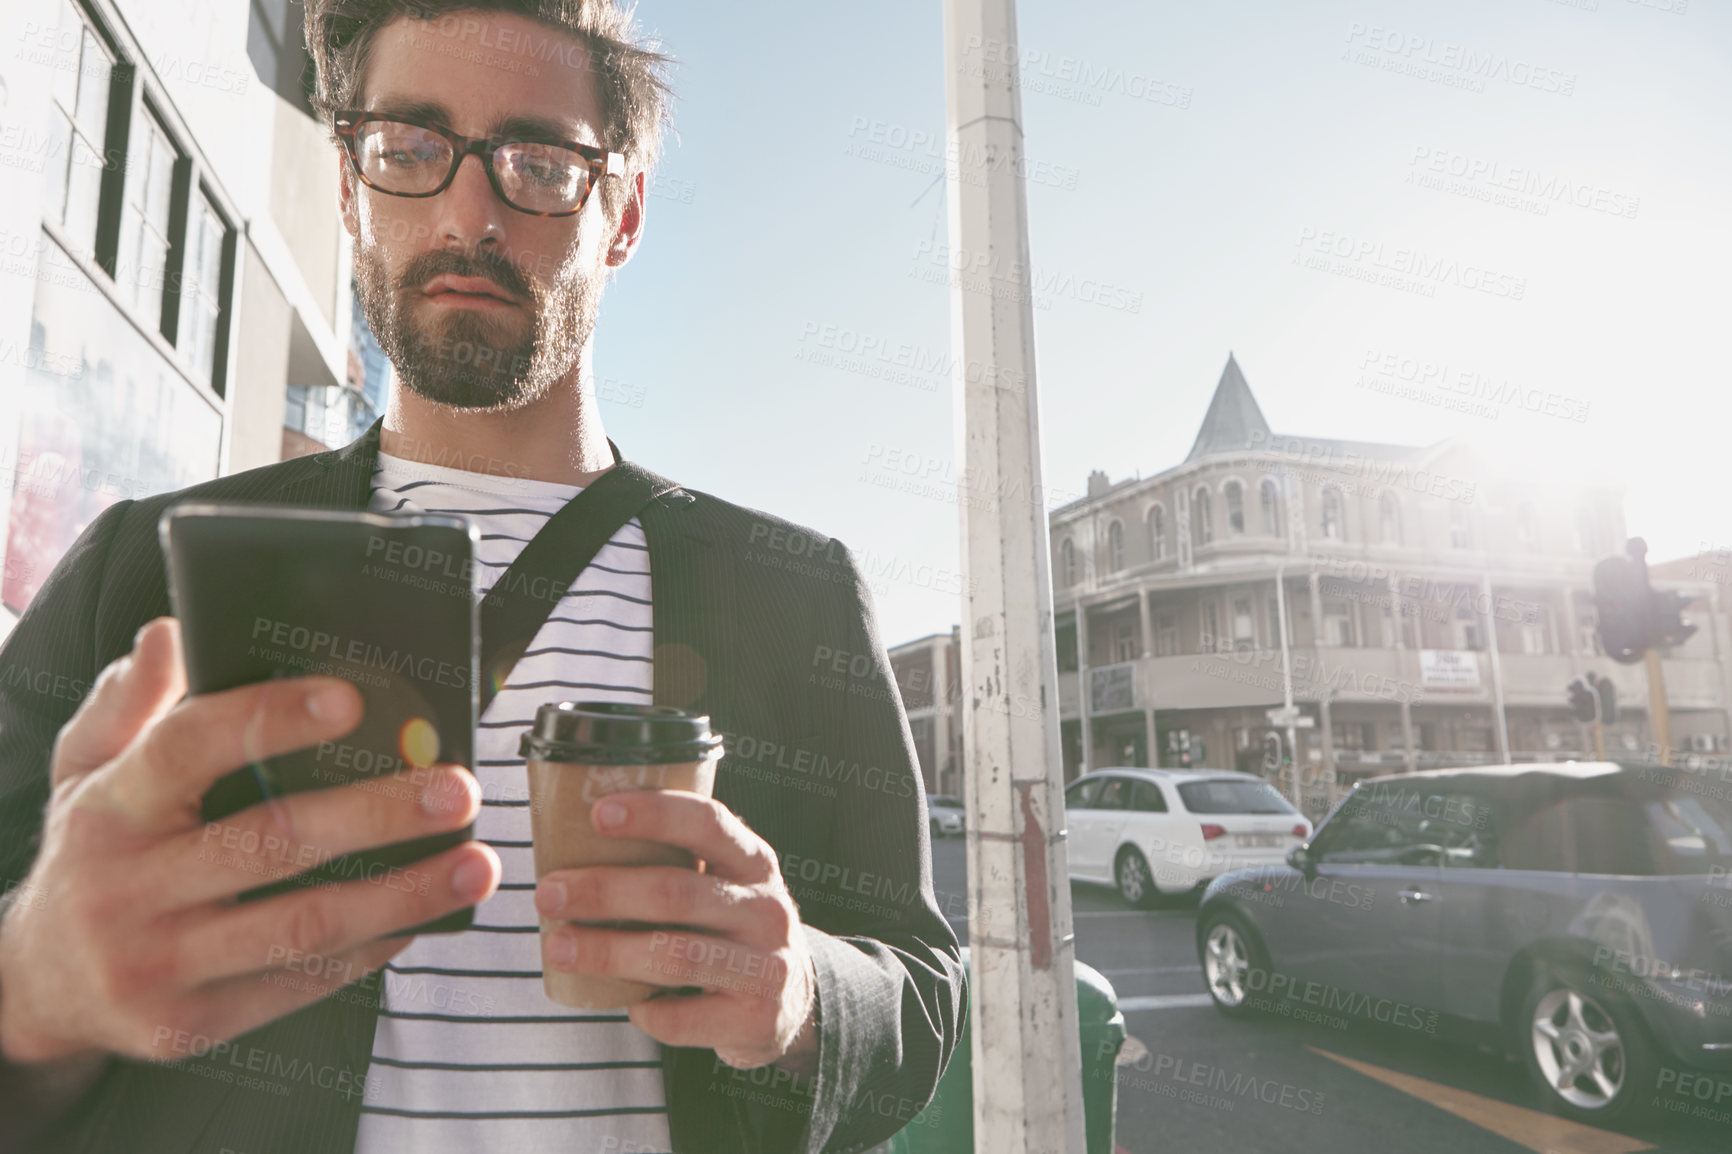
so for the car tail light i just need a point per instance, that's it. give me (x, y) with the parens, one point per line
(1301, 831)
(1211, 832)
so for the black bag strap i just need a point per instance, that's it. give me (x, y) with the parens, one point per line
(514, 610)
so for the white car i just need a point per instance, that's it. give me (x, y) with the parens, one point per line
(1161, 833)
(944, 815)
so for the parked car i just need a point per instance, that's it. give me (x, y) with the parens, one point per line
(944, 815)
(1581, 913)
(1161, 833)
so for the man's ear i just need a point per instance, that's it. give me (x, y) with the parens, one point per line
(346, 197)
(631, 219)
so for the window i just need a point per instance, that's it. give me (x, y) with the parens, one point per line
(1124, 641)
(1230, 795)
(141, 269)
(1527, 530)
(1244, 625)
(1115, 546)
(1338, 624)
(1202, 524)
(1590, 835)
(1271, 507)
(1158, 533)
(1064, 637)
(1275, 622)
(201, 290)
(1067, 561)
(1212, 639)
(1391, 823)
(1115, 794)
(1467, 630)
(1235, 494)
(78, 127)
(1389, 514)
(1355, 735)
(1166, 636)
(1146, 797)
(1460, 531)
(1476, 738)
(1333, 529)
(1082, 795)
(1534, 641)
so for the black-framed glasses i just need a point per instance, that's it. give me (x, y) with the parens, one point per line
(403, 157)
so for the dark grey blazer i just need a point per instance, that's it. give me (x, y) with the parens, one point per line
(762, 625)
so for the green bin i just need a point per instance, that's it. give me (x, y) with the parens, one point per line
(946, 1126)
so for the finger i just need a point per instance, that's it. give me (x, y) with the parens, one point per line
(236, 1006)
(670, 958)
(664, 894)
(130, 693)
(265, 843)
(159, 780)
(702, 825)
(259, 936)
(697, 1021)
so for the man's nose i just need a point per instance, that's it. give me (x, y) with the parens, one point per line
(469, 212)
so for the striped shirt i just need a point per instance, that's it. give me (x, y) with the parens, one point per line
(470, 1054)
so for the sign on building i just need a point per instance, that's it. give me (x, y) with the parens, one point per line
(1448, 669)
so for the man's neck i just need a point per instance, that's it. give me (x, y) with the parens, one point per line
(558, 438)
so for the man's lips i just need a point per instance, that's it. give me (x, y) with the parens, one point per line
(466, 288)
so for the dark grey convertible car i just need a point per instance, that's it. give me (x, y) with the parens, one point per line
(1584, 910)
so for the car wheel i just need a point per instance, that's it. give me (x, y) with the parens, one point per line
(1586, 1051)
(1136, 882)
(1231, 952)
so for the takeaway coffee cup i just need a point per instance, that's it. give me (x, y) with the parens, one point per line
(578, 753)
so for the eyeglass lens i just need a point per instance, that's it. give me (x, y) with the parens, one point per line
(406, 158)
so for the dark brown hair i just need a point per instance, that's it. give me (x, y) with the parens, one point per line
(630, 73)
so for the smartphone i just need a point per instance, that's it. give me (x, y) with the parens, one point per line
(386, 602)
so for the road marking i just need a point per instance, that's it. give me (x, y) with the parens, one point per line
(1542, 1133)
(1165, 1002)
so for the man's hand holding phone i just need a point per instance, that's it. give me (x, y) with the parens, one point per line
(127, 939)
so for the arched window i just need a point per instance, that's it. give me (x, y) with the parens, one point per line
(1115, 546)
(1235, 494)
(1158, 533)
(1460, 529)
(1389, 512)
(1271, 507)
(1333, 528)
(1202, 522)
(1067, 562)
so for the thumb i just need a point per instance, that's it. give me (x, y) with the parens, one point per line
(130, 695)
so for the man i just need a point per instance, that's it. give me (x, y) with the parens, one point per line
(141, 1010)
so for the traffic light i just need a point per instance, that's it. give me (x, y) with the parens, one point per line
(1582, 699)
(1621, 600)
(1608, 698)
(1635, 617)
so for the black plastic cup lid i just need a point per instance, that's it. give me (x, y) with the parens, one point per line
(612, 733)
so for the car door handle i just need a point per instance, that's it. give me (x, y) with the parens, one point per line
(1414, 897)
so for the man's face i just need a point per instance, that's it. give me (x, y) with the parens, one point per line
(480, 306)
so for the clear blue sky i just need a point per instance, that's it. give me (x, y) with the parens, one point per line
(1194, 154)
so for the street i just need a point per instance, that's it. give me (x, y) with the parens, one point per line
(1365, 1088)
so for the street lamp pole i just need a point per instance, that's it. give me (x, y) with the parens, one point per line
(1027, 1058)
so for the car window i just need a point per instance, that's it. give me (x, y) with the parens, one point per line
(1691, 834)
(1228, 795)
(1082, 795)
(1396, 824)
(1590, 835)
(1147, 797)
(1115, 794)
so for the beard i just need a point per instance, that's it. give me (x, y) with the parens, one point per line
(469, 360)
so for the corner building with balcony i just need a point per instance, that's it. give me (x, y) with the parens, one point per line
(1436, 605)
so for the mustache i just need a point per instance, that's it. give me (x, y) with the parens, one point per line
(486, 263)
